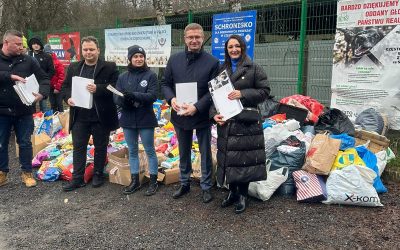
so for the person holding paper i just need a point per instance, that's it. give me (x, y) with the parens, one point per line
(241, 150)
(14, 114)
(139, 86)
(193, 65)
(97, 121)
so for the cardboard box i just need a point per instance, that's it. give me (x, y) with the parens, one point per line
(118, 167)
(170, 176)
(39, 142)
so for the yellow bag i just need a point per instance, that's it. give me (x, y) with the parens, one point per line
(347, 158)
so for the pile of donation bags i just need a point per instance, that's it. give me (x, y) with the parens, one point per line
(317, 156)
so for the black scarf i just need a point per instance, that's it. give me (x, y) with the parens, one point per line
(134, 69)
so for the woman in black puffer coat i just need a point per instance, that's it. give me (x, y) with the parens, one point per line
(241, 149)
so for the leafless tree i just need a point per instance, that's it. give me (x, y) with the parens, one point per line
(235, 5)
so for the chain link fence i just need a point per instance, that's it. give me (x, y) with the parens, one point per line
(277, 46)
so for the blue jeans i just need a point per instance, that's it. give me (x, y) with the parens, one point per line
(23, 126)
(43, 106)
(147, 137)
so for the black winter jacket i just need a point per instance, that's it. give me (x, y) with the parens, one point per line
(241, 149)
(23, 66)
(45, 60)
(106, 73)
(142, 83)
(186, 67)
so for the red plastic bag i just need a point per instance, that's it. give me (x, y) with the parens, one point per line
(67, 173)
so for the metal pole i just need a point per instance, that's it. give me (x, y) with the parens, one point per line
(303, 31)
(190, 16)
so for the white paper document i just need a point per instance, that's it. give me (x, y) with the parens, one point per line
(186, 92)
(80, 94)
(114, 90)
(25, 90)
(219, 88)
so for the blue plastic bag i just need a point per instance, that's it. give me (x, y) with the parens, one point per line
(47, 123)
(371, 161)
(347, 141)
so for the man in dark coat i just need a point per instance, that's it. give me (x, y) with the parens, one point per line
(97, 121)
(15, 66)
(192, 65)
(45, 61)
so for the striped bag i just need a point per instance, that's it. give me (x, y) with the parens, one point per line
(310, 187)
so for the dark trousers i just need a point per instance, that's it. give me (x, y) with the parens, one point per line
(56, 101)
(23, 126)
(81, 132)
(241, 188)
(185, 138)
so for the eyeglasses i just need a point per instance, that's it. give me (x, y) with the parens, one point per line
(191, 38)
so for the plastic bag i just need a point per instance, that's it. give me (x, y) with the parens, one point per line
(47, 172)
(263, 190)
(346, 141)
(352, 186)
(347, 158)
(371, 162)
(47, 123)
(336, 122)
(268, 108)
(371, 120)
(293, 161)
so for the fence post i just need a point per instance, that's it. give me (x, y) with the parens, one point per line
(303, 31)
(66, 28)
(117, 23)
(190, 16)
(30, 33)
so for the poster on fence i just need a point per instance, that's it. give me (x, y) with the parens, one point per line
(237, 23)
(66, 46)
(366, 58)
(156, 41)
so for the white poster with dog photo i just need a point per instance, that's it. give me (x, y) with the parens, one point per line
(366, 59)
(156, 41)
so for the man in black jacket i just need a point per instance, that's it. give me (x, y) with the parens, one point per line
(97, 121)
(45, 62)
(192, 65)
(15, 66)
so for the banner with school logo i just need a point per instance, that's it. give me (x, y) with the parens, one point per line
(366, 58)
(236, 23)
(66, 46)
(156, 41)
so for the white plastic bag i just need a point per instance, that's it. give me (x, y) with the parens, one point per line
(383, 157)
(273, 136)
(263, 190)
(352, 185)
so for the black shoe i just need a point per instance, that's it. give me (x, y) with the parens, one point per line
(241, 204)
(133, 186)
(229, 200)
(98, 180)
(72, 185)
(153, 185)
(207, 196)
(182, 190)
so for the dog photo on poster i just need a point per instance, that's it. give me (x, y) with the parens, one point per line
(366, 59)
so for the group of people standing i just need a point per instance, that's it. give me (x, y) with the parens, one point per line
(240, 157)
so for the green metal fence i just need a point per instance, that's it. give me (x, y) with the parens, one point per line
(294, 41)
